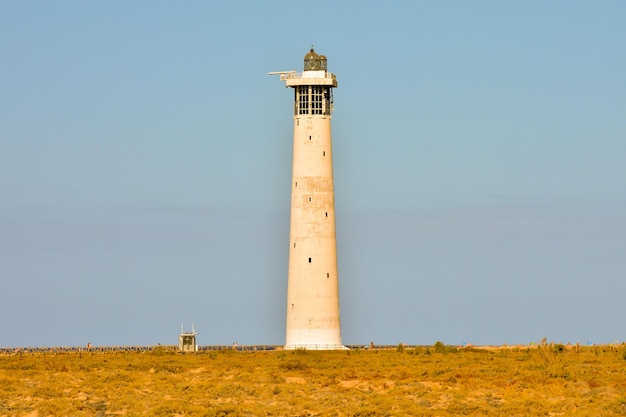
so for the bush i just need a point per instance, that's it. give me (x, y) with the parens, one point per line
(439, 347)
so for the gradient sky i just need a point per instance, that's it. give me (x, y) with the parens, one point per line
(145, 169)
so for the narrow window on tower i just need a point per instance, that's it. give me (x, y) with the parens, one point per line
(303, 99)
(309, 198)
(326, 214)
(316, 99)
(309, 137)
(296, 183)
(294, 244)
(323, 153)
(309, 260)
(327, 275)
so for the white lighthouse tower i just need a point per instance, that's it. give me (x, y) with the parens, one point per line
(313, 287)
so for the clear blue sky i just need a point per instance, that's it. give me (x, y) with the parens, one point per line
(145, 164)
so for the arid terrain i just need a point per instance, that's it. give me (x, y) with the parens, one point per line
(439, 380)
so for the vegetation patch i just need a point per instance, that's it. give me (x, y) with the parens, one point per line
(438, 380)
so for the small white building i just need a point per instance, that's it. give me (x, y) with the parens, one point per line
(187, 340)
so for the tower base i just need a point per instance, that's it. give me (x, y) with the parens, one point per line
(316, 347)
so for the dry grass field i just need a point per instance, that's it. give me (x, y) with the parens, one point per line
(439, 380)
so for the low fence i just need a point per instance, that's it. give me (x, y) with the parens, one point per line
(117, 349)
(242, 348)
(167, 348)
(75, 349)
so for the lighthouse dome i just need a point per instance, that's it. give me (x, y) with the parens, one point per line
(314, 62)
(311, 55)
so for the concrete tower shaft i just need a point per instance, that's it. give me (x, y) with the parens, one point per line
(313, 286)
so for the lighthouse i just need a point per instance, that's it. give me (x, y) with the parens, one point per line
(313, 287)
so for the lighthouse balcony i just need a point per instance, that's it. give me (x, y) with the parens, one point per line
(309, 78)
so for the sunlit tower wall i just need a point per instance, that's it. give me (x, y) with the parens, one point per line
(313, 286)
